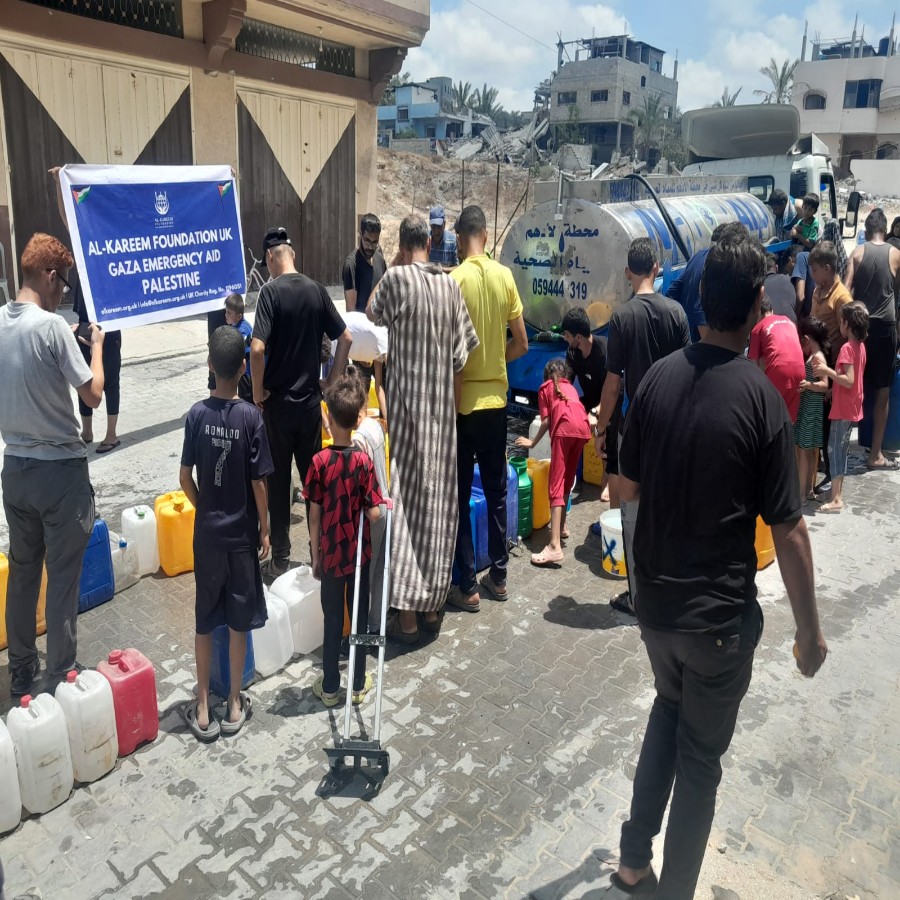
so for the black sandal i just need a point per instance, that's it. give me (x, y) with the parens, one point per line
(645, 887)
(435, 626)
(395, 632)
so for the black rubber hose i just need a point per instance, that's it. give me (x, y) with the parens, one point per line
(676, 236)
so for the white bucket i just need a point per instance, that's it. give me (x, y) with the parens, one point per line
(87, 702)
(612, 543)
(541, 450)
(10, 796)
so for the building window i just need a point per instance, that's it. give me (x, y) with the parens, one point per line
(402, 113)
(268, 41)
(814, 100)
(161, 16)
(643, 81)
(567, 98)
(886, 151)
(599, 96)
(626, 98)
(862, 94)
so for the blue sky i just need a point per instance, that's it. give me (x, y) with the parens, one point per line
(719, 42)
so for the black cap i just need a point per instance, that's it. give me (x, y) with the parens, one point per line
(275, 237)
(778, 197)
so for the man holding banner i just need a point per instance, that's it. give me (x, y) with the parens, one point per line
(292, 314)
(47, 494)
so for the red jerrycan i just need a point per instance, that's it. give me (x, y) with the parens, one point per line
(133, 681)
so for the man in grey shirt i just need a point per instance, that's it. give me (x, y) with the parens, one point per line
(47, 494)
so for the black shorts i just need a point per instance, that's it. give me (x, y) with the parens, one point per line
(229, 590)
(881, 354)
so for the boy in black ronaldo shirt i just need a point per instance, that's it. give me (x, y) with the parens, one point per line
(225, 438)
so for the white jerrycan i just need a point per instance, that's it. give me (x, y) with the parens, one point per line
(139, 524)
(273, 644)
(87, 702)
(10, 796)
(43, 758)
(300, 592)
(125, 560)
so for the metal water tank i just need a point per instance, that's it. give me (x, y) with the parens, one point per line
(573, 252)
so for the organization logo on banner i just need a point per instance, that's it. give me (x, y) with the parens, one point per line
(162, 202)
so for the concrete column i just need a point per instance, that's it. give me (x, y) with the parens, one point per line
(618, 137)
(366, 158)
(214, 118)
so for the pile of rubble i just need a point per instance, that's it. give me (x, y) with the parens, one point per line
(519, 146)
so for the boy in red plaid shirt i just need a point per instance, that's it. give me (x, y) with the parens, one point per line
(340, 484)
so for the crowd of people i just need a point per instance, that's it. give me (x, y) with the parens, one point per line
(698, 442)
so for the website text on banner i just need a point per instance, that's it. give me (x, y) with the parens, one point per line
(153, 243)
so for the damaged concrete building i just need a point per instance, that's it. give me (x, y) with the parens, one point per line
(595, 92)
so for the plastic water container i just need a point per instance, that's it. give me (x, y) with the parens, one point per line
(97, 581)
(454, 571)
(891, 440)
(592, 464)
(539, 470)
(764, 545)
(524, 491)
(125, 561)
(41, 607)
(87, 702)
(175, 533)
(512, 500)
(478, 511)
(43, 759)
(133, 681)
(273, 644)
(220, 671)
(613, 543)
(300, 591)
(139, 524)
(10, 795)
(540, 450)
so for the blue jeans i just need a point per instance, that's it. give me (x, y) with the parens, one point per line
(839, 447)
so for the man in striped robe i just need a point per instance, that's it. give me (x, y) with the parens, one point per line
(430, 338)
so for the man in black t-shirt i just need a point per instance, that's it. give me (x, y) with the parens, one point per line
(365, 267)
(708, 447)
(586, 358)
(292, 314)
(645, 329)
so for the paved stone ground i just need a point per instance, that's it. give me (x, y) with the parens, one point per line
(513, 735)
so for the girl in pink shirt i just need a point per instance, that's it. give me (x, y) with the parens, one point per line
(847, 396)
(564, 415)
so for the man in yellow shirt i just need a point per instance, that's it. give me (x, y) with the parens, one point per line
(494, 305)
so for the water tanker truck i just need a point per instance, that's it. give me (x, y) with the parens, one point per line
(570, 249)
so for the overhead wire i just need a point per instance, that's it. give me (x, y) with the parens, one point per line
(510, 25)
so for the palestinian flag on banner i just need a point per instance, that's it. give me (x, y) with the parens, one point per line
(80, 195)
(224, 188)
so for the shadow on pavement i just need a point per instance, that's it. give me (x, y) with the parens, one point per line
(567, 611)
(594, 867)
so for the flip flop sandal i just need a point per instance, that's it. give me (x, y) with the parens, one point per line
(232, 728)
(545, 558)
(106, 447)
(456, 598)
(488, 585)
(890, 465)
(645, 887)
(395, 632)
(206, 736)
(435, 626)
